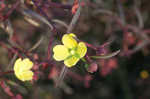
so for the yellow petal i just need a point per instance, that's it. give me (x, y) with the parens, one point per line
(25, 76)
(17, 65)
(71, 61)
(69, 41)
(26, 64)
(22, 69)
(81, 49)
(21, 65)
(72, 34)
(60, 52)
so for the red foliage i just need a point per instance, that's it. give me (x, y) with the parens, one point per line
(75, 6)
(107, 66)
(6, 89)
(87, 80)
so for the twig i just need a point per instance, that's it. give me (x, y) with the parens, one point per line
(121, 11)
(12, 61)
(62, 75)
(12, 9)
(36, 44)
(57, 5)
(4, 73)
(42, 12)
(70, 28)
(74, 19)
(139, 17)
(53, 30)
(30, 13)
(60, 22)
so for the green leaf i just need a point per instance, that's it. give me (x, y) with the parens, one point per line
(86, 66)
(106, 56)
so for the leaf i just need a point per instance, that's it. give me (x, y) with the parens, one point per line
(86, 66)
(32, 14)
(106, 56)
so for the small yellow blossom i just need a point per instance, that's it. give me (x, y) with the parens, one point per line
(71, 52)
(22, 69)
(144, 74)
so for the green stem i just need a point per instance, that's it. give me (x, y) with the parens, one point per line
(84, 60)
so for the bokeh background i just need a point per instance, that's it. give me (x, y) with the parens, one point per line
(109, 25)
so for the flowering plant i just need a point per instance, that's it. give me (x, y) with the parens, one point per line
(22, 69)
(71, 52)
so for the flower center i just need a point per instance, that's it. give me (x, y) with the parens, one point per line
(72, 52)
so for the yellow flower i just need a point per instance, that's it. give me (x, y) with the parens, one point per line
(144, 74)
(22, 69)
(71, 52)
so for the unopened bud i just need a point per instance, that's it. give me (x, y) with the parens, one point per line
(92, 68)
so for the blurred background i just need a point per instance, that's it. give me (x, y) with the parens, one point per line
(30, 28)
